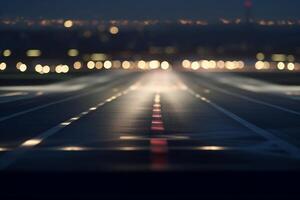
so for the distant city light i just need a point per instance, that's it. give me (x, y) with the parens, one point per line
(260, 56)
(220, 64)
(291, 66)
(77, 65)
(73, 52)
(39, 68)
(2, 66)
(65, 69)
(165, 65)
(114, 30)
(68, 23)
(7, 53)
(186, 64)
(98, 56)
(46, 69)
(107, 64)
(126, 64)
(33, 53)
(99, 65)
(91, 65)
(281, 66)
(195, 65)
(21, 67)
(279, 57)
(154, 64)
(142, 64)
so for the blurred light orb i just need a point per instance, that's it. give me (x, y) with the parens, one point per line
(38, 68)
(73, 52)
(77, 65)
(107, 64)
(58, 69)
(2, 66)
(7, 53)
(291, 66)
(65, 69)
(142, 64)
(99, 65)
(46, 69)
(114, 30)
(260, 56)
(125, 64)
(195, 65)
(154, 64)
(22, 67)
(186, 64)
(281, 66)
(220, 64)
(259, 65)
(68, 23)
(34, 53)
(91, 65)
(165, 65)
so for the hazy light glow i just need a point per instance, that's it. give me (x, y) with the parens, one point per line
(186, 64)
(91, 65)
(165, 65)
(7, 53)
(68, 23)
(77, 65)
(195, 65)
(154, 64)
(33, 53)
(73, 52)
(31, 143)
(211, 148)
(107, 64)
(281, 65)
(2, 66)
(114, 30)
(126, 64)
(291, 66)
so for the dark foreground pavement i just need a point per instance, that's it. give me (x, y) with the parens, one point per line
(167, 124)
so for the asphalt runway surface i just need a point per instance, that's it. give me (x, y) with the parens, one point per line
(157, 121)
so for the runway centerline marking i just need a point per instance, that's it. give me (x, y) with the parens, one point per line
(158, 145)
(291, 149)
(10, 157)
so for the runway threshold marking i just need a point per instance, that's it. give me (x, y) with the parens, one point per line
(250, 99)
(291, 149)
(51, 104)
(10, 157)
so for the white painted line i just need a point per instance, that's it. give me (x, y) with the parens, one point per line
(250, 99)
(53, 103)
(10, 157)
(291, 149)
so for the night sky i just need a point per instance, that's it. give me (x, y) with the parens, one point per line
(148, 9)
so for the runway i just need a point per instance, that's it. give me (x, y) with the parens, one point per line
(157, 121)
